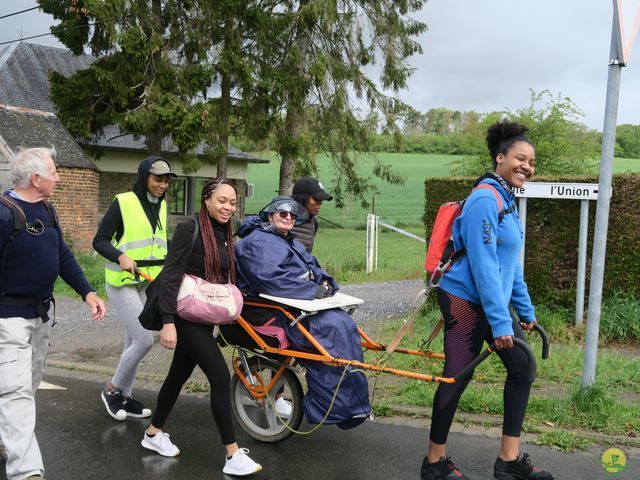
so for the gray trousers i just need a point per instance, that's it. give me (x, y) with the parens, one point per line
(24, 343)
(128, 301)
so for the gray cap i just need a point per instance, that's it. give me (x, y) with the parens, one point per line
(161, 168)
(285, 204)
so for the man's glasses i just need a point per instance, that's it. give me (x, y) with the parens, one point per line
(287, 214)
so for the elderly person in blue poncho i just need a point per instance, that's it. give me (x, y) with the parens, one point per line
(269, 260)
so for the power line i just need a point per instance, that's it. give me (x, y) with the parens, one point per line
(29, 9)
(81, 26)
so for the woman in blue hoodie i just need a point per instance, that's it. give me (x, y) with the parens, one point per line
(474, 297)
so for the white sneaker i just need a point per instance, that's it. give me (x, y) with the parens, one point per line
(160, 443)
(240, 464)
(283, 407)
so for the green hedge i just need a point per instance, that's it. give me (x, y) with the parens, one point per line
(552, 236)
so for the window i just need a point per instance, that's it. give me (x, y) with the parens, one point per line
(198, 186)
(177, 196)
(183, 197)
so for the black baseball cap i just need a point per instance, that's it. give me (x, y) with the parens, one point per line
(311, 186)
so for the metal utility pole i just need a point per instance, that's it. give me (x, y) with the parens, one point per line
(618, 56)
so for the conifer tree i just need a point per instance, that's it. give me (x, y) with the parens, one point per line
(322, 76)
(164, 68)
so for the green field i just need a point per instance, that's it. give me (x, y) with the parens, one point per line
(343, 252)
(621, 165)
(398, 205)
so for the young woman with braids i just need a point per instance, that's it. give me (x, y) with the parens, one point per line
(211, 259)
(474, 298)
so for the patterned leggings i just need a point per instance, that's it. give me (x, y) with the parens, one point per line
(465, 330)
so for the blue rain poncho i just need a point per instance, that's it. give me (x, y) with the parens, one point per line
(270, 263)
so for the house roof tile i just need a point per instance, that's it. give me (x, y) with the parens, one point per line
(25, 128)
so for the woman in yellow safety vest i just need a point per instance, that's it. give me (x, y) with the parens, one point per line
(133, 236)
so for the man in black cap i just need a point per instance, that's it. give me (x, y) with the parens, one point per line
(309, 192)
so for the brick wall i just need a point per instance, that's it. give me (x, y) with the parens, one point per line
(111, 184)
(76, 200)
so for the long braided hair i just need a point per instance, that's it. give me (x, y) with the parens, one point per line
(211, 256)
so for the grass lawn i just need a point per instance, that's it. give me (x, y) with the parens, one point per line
(342, 253)
(611, 407)
(399, 205)
(621, 165)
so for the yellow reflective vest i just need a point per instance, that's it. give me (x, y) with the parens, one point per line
(138, 240)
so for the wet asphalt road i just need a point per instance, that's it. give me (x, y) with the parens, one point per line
(80, 441)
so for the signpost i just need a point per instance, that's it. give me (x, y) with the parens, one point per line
(620, 51)
(565, 191)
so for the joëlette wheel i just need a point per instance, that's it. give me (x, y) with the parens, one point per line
(258, 418)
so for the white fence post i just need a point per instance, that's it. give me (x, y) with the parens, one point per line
(377, 233)
(371, 242)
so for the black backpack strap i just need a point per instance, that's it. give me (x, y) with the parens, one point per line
(506, 211)
(19, 218)
(19, 223)
(195, 234)
(451, 256)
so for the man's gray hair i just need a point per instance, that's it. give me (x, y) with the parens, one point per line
(27, 162)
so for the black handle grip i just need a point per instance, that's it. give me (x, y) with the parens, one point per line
(543, 335)
(545, 340)
(157, 262)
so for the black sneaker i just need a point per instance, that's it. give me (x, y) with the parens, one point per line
(519, 469)
(135, 409)
(113, 402)
(443, 469)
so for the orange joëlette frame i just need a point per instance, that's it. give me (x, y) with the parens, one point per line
(260, 391)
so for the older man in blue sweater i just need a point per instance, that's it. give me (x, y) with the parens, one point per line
(32, 255)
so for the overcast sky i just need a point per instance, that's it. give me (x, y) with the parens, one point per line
(485, 55)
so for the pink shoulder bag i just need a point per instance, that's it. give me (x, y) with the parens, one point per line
(208, 303)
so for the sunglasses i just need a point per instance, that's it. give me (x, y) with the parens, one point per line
(287, 214)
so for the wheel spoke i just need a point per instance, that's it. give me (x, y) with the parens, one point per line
(270, 413)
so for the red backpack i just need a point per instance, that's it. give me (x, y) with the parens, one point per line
(440, 252)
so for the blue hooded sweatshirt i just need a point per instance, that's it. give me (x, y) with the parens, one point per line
(490, 273)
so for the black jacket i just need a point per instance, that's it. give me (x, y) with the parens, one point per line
(306, 233)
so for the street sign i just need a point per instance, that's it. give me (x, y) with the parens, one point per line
(567, 191)
(625, 43)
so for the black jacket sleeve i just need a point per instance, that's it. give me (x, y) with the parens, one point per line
(111, 226)
(174, 268)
